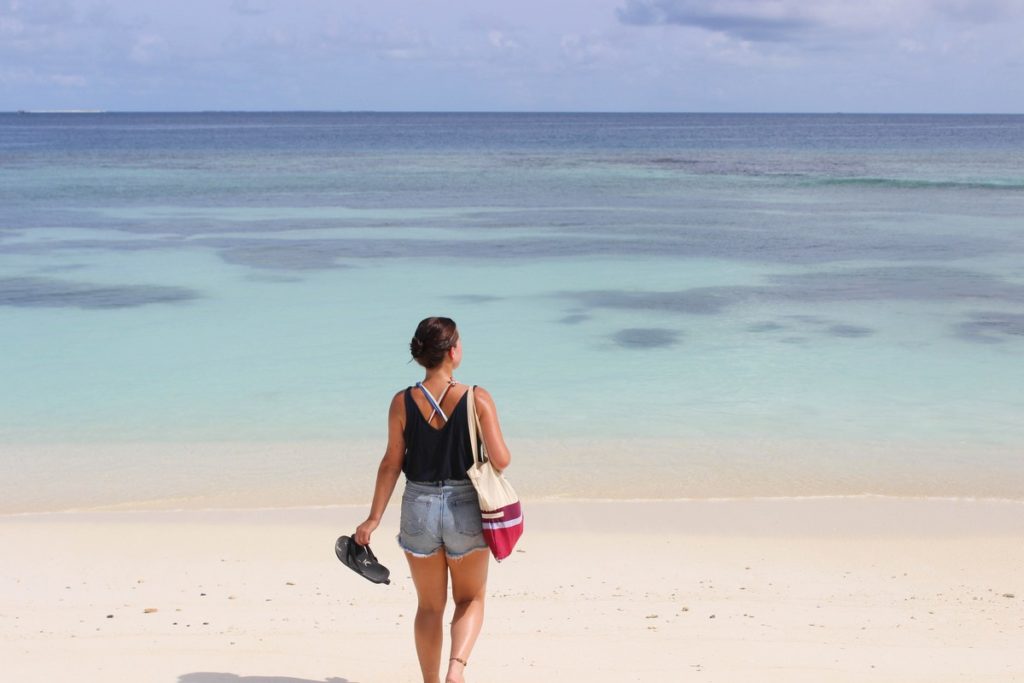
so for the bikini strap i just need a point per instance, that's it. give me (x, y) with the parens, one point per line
(435, 403)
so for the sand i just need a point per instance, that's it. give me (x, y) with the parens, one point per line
(830, 589)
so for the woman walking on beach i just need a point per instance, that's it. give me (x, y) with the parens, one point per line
(441, 530)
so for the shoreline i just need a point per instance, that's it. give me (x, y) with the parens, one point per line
(235, 474)
(780, 516)
(157, 508)
(875, 590)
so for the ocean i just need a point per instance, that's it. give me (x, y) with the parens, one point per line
(214, 309)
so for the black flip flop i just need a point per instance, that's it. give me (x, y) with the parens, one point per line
(361, 560)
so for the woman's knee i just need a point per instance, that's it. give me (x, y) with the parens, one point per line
(431, 608)
(463, 602)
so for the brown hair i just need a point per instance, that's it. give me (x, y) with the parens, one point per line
(434, 336)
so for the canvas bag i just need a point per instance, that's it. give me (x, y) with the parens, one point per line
(500, 511)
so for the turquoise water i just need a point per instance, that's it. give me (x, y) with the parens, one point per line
(808, 284)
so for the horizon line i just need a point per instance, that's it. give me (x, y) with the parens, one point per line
(94, 111)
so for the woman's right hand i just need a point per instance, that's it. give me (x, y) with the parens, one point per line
(363, 531)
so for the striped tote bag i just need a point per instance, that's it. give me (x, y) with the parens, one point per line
(500, 511)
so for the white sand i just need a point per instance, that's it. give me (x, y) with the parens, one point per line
(861, 589)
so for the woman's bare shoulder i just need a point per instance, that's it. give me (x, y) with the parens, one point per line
(398, 400)
(483, 398)
(480, 391)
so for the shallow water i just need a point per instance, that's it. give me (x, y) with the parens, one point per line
(726, 279)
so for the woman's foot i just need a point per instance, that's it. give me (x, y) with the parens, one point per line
(456, 670)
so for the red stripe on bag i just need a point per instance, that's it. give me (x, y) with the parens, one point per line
(502, 528)
(506, 513)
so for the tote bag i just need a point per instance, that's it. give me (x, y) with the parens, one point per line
(500, 511)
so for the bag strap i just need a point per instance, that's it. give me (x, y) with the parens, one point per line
(476, 432)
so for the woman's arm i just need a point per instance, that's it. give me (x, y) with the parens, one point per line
(387, 473)
(497, 451)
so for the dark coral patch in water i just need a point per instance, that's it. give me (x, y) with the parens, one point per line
(40, 292)
(474, 298)
(851, 331)
(914, 283)
(911, 283)
(991, 327)
(287, 256)
(767, 326)
(645, 337)
(700, 301)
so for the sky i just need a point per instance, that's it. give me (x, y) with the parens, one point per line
(523, 55)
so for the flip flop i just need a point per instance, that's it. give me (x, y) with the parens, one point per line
(361, 560)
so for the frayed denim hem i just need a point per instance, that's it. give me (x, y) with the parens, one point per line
(449, 555)
(413, 552)
(452, 556)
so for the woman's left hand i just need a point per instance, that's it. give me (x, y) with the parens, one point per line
(364, 530)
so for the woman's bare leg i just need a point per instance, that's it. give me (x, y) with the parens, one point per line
(430, 576)
(469, 586)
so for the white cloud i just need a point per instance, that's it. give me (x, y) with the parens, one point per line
(499, 40)
(27, 76)
(574, 54)
(69, 80)
(147, 48)
(586, 49)
(40, 12)
(744, 53)
(10, 27)
(911, 46)
(15, 75)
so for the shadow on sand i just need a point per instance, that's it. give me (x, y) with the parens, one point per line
(214, 677)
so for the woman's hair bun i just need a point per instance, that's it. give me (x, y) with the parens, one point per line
(416, 347)
(434, 336)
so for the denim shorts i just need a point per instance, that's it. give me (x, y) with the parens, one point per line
(437, 515)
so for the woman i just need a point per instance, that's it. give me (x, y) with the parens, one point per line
(440, 526)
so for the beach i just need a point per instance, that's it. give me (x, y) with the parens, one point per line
(816, 589)
(760, 375)
(740, 284)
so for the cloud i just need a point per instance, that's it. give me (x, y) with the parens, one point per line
(23, 76)
(911, 46)
(39, 12)
(69, 80)
(585, 54)
(585, 49)
(978, 11)
(789, 21)
(249, 8)
(761, 21)
(147, 48)
(13, 75)
(499, 40)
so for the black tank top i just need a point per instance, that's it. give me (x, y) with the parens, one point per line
(435, 454)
